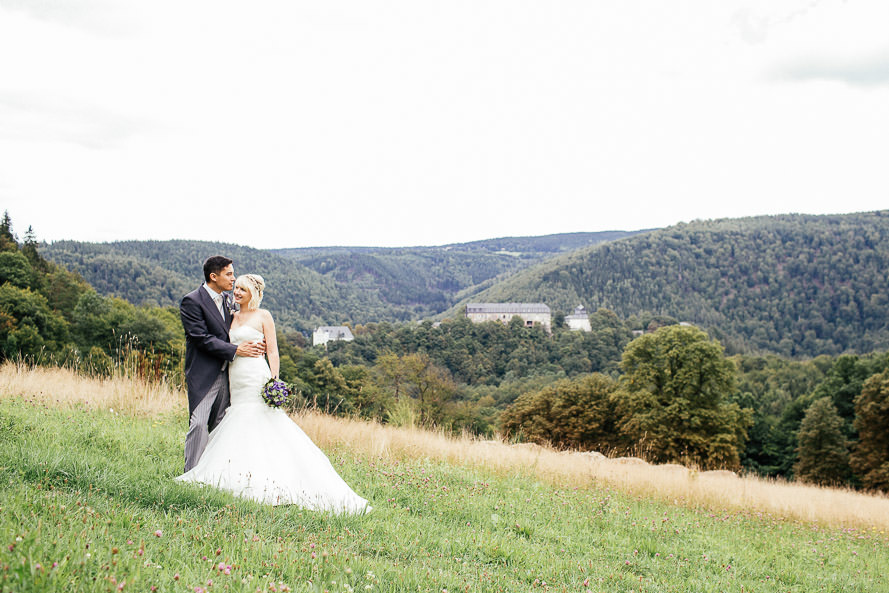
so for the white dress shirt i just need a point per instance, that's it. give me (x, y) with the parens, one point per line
(217, 298)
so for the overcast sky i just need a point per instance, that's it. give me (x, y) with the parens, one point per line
(411, 122)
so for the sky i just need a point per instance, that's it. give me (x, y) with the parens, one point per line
(416, 122)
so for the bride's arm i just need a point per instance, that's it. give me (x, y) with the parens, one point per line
(271, 343)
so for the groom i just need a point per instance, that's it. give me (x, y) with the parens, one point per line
(206, 316)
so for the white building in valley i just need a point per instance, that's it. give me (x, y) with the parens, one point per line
(331, 333)
(579, 320)
(530, 313)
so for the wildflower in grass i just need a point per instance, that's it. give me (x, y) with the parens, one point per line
(158, 533)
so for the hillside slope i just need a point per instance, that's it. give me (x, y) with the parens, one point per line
(88, 506)
(315, 286)
(161, 272)
(794, 284)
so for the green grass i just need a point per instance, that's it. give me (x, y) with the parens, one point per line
(88, 503)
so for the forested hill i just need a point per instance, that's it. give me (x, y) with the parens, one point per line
(794, 284)
(421, 282)
(161, 272)
(327, 285)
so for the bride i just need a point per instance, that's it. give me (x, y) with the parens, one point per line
(257, 451)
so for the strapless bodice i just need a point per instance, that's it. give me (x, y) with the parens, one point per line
(244, 333)
(246, 376)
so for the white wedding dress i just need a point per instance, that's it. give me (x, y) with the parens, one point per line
(258, 452)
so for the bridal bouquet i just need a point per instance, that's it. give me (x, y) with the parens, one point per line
(276, 393)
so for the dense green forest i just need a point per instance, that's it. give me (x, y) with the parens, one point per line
(795, 285)
(317, 286)
(669, 395)
(49, 315)
(160, 273)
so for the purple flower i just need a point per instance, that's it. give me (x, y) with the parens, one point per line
(276, 393)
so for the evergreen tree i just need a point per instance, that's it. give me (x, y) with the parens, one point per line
(870, 460)
(823, 457)
(8, 241)
(29, 249)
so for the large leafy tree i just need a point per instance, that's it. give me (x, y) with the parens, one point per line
(417, 377)
(870, 460)
(579, 414)
(674, 399)
(844, 382)
(15, 269)
(27, 324)
(823, 456)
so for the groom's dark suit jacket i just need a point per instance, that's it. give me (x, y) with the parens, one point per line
(206, 342)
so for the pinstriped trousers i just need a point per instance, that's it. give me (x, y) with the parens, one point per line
(205, 417)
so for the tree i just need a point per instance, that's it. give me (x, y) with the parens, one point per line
(870, 459)
(91, 325)
(328, 382)
(416, 376)
(823, 456)
(844, 382)
(673, 398)
(433, 388)
(8, 242)
(29, 249)
(63, 289)
(27, 325)
(16, 269)
(579, 414)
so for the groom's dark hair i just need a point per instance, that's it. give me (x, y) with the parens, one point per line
(214, 265)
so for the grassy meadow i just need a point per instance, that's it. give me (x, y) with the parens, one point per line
(88, 503)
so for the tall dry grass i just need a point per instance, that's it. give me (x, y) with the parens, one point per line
(63, 387)
(673, 484)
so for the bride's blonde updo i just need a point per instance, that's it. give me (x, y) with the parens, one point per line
(254, 285)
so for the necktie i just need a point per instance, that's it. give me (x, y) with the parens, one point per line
(218, 299)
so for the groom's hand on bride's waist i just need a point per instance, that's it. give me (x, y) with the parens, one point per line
(251, 349)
